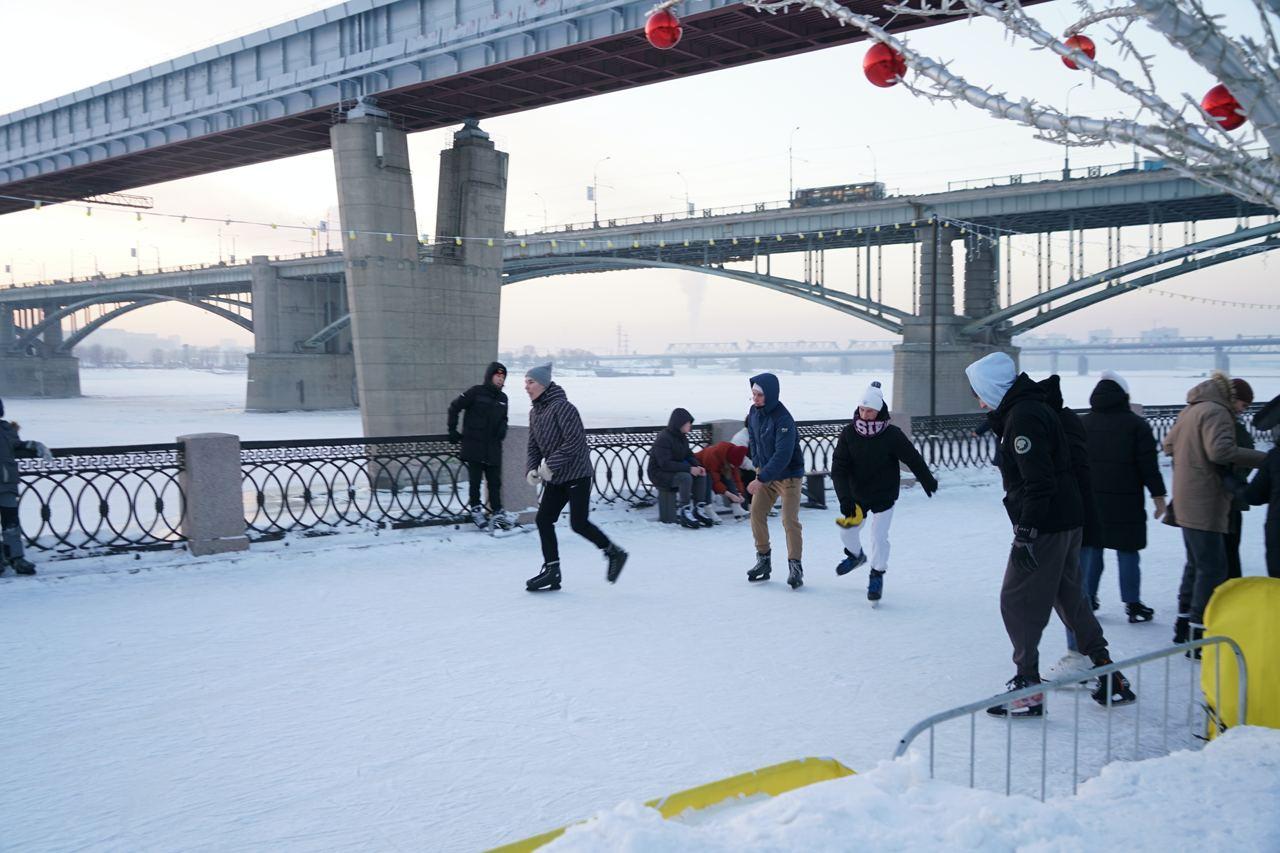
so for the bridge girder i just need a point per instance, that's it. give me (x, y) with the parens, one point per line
(133, 302)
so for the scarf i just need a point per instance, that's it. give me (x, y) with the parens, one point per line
(869, 428)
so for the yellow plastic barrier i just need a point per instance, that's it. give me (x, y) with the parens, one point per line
(774, 780)
(1244, 609)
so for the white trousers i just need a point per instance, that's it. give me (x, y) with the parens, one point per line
(878, 522)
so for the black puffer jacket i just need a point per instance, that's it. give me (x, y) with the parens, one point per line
(485, 424)
(556, 435)
(1123, 462)
(12, 449)
(670, 453)
(1264, 489)
(1035, 461)
(1078, 445)
(865, 469)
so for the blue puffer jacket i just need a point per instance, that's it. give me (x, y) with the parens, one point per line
(775, 443)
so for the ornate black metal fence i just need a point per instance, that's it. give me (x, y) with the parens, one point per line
(320, 485)
(620, 455)
(93, 499)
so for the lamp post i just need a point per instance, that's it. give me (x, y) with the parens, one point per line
(688, 208)
(595, 191)
(875, 171)
(545, 225)
(1066, 146)
(791, 167)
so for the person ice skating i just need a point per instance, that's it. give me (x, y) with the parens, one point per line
(723, 461)
(775, 448)
(1202, 442)
(1123, 463)
(1264, 489)
(672, 466)
(1042, 499)
(1239, 476)
(867, 476)
(559, 460)
(483, 429)
(13, 448)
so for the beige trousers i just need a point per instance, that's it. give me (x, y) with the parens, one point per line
(763, 501)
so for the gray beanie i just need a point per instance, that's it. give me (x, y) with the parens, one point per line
(540, 374)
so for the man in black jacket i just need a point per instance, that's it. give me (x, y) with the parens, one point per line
(13, 448)
(483, 429)
(866, 473)
(1043, 502)
(673, 466)
(1264, 489)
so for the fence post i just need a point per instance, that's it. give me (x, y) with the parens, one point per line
(211, 483)
(517, 495)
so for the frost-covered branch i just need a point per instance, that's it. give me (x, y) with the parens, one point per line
(1129, 12)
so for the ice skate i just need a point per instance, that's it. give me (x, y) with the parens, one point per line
(795, 574)
(546, 580)
(1027, 706)
(850, 562)
(762, 570)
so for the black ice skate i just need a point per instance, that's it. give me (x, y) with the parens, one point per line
(546, 580)
(23, 566)
(478, 517)
(763, 568)
(617, 558)
(850, 562)
(795, 574)
(687, 518)
(1027, 706)
(875, 586)
(1117, 686)
(1139, 612)
(1197, 630)
(1181, 629)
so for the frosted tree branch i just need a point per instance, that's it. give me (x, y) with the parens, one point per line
(1130, 12)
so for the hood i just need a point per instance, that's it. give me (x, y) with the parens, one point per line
(1023, 388)
(991, 377)
(1215, 389)
(494, 367)
(1108, 396)
(679, 417)
(769, 385)
(552, 393)
(1052, 390)
(737, 455)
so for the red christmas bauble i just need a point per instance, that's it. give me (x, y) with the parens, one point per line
(883, 65)
(1082, 43)
(1222, 105)
(663, 29)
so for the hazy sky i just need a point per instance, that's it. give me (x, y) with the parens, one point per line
(725, 132)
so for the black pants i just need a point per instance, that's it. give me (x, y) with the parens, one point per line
(1027, 599)
(10, 534)
(1235, 525)
(1204, 572)
(577, 495)
(492, 473)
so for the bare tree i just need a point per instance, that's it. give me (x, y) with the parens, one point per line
(1174, 129)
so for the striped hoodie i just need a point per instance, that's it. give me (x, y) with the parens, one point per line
(556, 435)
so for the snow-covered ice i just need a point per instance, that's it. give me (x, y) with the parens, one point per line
(403, 691)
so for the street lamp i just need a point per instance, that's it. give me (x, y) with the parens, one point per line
(595, 191)
(791, 169)
(1066, 145)
(545, 226)
(875, 171)
(687, 205)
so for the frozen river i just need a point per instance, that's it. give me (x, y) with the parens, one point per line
(145, 406)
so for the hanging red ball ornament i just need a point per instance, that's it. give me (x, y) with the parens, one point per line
(1223, 106)
(883, 65)
(1084, 44)
(663, 29)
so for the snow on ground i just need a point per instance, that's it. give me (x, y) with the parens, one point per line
(403, 691)
(1206, 800)
(151, 406)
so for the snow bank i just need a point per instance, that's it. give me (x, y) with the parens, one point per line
(1223, 797)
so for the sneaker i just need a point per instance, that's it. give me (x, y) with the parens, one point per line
(850, 562)
(1181, 629)
(1117, 686)
(1069, 665)
(1139, 612)
(705, 515)
(546, 580)
(875, 585)
(795, 574)
(685, 515)
(1027, 706)
(762, 569)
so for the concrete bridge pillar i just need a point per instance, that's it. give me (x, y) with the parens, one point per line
(421, 332)
(981, 278)
(52, 335)
(8, 332)
(846, 365)
(945, 281)
(1053, 362)
(46, 373)
(283, 376)
(1221, 360)
(1082, 365)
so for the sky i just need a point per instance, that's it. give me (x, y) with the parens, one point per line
(720, 138)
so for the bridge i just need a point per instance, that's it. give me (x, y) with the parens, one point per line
(301, 303)
(416, 322)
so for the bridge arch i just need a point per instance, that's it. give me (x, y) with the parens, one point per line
(133, 302)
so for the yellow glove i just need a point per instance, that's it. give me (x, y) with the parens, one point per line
(851, 520)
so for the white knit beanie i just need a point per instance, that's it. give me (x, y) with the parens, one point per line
(873, 397)
(1116, 378)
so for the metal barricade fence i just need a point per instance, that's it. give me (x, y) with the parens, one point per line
(1186, 729)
